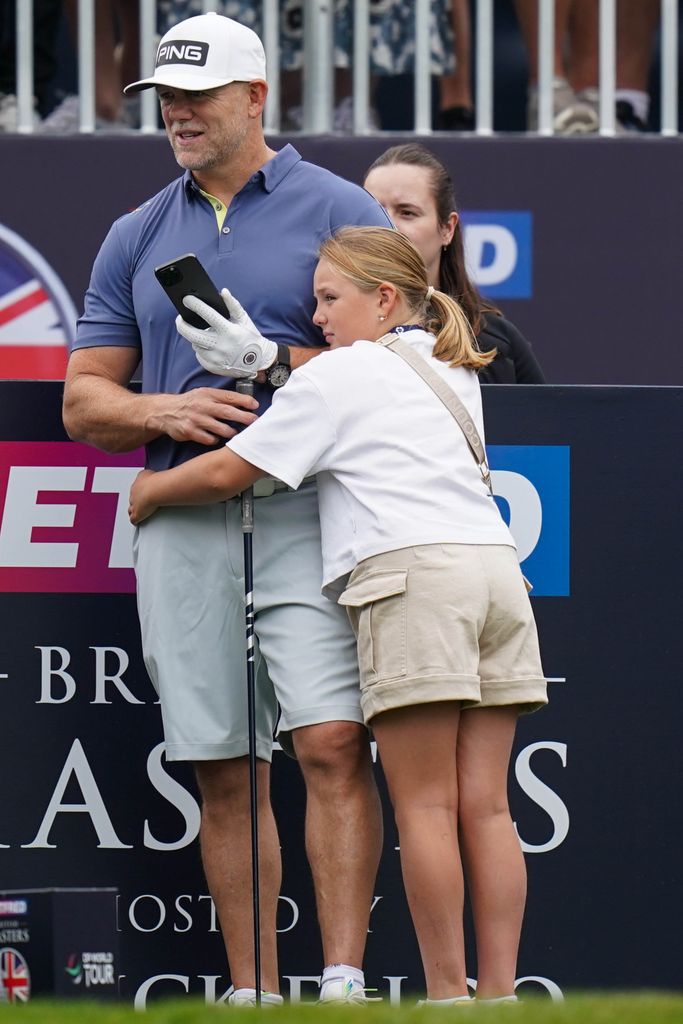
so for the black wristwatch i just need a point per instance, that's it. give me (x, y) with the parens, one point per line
(278, 373)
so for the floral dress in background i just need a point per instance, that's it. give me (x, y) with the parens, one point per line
(392, 31)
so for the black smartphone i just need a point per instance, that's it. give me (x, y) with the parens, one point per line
(186, 276)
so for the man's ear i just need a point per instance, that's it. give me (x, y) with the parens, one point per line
(257, 97)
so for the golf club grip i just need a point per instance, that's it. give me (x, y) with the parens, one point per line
(246, 387)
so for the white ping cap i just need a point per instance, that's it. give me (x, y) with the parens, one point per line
(205, 52)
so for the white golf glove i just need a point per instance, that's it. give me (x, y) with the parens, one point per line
(232, 348)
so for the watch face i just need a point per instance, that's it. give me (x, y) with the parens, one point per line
(279, 375)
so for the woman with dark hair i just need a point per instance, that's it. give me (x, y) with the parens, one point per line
(417, 192)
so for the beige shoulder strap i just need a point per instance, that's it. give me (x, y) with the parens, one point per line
(447, 396)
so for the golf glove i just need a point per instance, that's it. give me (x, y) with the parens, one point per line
(231, 347)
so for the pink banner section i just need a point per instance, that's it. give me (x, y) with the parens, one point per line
(64, 525)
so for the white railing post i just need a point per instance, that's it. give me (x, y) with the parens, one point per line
(607, 65)
(86, 65)
(318, 65)
(546, 65)
(361, 67)
(423, 68)
(669, 84)
(271, 44)
(484, 70)
(24, 65)
(148, 97)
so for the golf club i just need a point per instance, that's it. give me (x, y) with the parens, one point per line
(246, 387)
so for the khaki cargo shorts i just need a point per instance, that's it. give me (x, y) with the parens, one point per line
(444, 622)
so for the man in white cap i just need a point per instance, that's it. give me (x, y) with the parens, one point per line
(255, 218)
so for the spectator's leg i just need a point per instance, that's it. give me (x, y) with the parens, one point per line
(527, 15)
(457, 105)
(637, 22)
(47, 15)
(8, 35)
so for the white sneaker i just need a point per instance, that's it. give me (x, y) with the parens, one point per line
(455, 1001)
(9, 113)
(343, 990)
(65, 119)
(510, 1000)
(572, 114)
(247, 997)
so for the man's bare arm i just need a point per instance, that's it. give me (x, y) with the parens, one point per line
(100, 409)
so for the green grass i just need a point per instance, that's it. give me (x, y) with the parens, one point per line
(613, 1008)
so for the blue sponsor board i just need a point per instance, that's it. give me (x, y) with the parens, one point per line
(531, 483)
(498, 251)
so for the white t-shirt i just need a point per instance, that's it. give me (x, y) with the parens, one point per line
(394, 469)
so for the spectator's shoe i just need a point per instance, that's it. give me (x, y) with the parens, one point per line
(456, 119)
(628, 122)
(572, 114)
(342, 118)
(247, 997)
(9, 113)
(65, 119)
(343, 990)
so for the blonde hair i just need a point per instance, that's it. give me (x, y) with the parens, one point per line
(371, 256)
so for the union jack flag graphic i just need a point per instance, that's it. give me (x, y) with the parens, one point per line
(37, 316)
(15, 979)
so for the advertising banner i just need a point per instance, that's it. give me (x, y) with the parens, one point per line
(584, 477)
(575, 240)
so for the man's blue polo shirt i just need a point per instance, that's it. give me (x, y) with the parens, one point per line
(265, 253)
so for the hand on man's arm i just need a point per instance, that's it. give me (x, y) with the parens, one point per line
(100, 410)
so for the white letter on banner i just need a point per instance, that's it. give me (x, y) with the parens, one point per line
(295, 914)
(504, 243)
(101, 677)
(47, 672)
(526, 510)
(23, 513)
(176, 795)
(77, 764)
(543, 795)
(551, 987)
(140, 1001)
(395, 987)
(295, 982)
(210, 996)
(118, 480)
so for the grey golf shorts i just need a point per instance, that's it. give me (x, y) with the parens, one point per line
(190, 581)
(444, 622)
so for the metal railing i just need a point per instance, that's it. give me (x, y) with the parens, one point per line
(318, 64)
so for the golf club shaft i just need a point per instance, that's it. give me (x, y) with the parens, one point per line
(245, 387)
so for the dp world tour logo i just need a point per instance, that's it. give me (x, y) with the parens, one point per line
(37, 316)
(74, 968)
(90, 969)
(15, 979)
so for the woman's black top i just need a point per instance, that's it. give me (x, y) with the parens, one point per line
(515, 362)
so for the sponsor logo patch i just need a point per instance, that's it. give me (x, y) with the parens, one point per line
(183, 51)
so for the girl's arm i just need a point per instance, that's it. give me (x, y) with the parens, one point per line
(200, 481)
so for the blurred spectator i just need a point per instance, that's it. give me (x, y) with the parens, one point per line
(456, 111)
(576, 47)
(46, 19)
(117, 46)
(392, 52)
